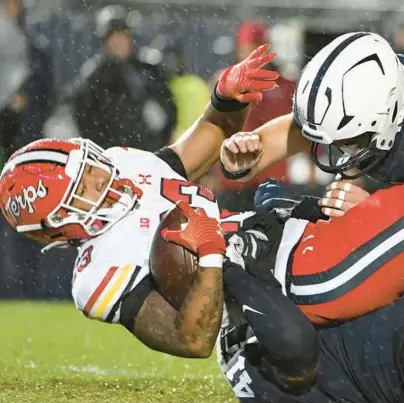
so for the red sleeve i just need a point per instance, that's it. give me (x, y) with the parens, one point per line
(326, 243)
(348, 266)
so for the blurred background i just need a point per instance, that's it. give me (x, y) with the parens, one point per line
(138, 73)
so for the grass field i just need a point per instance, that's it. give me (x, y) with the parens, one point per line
(50, 353)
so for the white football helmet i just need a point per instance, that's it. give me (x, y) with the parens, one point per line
(350, 97)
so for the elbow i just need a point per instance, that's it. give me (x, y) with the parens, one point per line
(200, 349)
(295, 369)
(302, 347)
(297, 372)
(203, 353)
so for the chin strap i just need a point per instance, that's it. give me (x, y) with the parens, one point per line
(57, 244)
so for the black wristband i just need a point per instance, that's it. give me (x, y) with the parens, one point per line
(230, 175)
(225, 105)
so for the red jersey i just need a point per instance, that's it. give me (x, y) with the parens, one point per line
(346, 267)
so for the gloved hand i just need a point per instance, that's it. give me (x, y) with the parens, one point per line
(245, 246)
(202, 235)
(255, 246)
(275, 197)
(245, 81)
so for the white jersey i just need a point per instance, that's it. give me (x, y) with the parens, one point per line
(110, 266)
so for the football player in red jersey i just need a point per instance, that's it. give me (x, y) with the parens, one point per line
(350, 100)
(329, 264)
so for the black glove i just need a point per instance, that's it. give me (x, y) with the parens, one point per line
(256, 245)
(245, 247)
(275, 197)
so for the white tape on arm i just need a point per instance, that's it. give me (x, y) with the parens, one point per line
(213, 260)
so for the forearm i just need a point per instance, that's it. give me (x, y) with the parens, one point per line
(279, 138)
(285, 334)
(196, 324)
(189, 333)
(199, 318)
(199, 146)
(228, 122)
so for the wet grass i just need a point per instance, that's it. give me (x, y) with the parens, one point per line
(50, 353)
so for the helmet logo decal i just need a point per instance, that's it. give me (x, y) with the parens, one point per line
(324, 68)
(25, 200)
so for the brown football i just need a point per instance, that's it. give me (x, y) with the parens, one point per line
(173, 267)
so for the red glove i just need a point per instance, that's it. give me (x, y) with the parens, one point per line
(245, 81)
(202, 235)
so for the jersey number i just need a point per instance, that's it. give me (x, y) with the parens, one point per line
(85, 259)
(176, 190)
(239, 379)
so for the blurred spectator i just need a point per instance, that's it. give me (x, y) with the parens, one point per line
(27, 108)
(398, 39)
(10, 121)
(21, 121)
(39, 94)
(125, 101)
(275, 103)
(191, 93)
(13, 73)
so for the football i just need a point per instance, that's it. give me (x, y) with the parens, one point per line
(173, 267)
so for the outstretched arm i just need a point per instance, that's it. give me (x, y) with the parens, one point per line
(238, 85)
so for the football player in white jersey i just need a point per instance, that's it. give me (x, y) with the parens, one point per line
(109, 203)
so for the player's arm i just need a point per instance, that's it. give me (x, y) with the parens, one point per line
(282, 200)
(244, 155)
(288, 341)
(192, 331)
(238, 85)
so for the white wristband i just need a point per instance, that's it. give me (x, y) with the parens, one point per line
(213, 260)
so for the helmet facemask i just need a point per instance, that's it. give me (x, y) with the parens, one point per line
(97, 219)
(350, 161)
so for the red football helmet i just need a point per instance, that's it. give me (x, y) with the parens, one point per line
(38, 186)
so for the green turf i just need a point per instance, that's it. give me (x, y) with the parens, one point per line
(50, 353)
